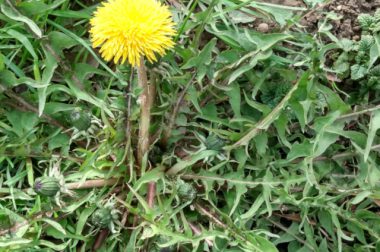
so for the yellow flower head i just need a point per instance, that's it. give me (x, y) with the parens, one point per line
(130, 29)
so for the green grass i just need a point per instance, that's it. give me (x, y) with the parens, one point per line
(254, 146)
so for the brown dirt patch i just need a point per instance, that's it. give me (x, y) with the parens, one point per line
(349, 10)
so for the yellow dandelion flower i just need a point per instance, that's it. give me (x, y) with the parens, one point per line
(129, 29)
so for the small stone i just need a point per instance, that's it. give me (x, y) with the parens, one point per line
(263, 27)
(356, 38)
(339, 7)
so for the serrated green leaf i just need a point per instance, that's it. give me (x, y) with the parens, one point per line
(204, 57)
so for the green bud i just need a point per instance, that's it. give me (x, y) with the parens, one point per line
(102, 217)
(80, 119)
(186, 191)
(46, 186)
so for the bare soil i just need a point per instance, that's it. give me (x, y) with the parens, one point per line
(348, 10)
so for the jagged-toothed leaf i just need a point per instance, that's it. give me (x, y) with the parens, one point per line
(203, 58)
(358, 72)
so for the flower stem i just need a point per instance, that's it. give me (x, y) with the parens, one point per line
(100, 239)
(151, 194)
(146, 102)
(96, 183)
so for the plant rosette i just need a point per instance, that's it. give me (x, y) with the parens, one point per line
(212, 142)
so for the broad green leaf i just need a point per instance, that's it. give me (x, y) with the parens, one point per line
(234, 179)
(54, 224)
(8, 78)
(15, 194)
(254, 208)
(60, 41)
(183, 164)
(360, 197)
(234, 38)
(252, 63)
(85, 71)
(261, 141)
(303, 117)
(131, 246)
(2, 65)
(83, 95)
(82, 14)
(374, 53)
(10, 13)
(22, 122)
(58, 141)
(241, 157)
(357, 231)
(150, 176)
(83, 219)
(373, 127)
(334, 101)
(193, 97)
(339, 232)
(13, 243)
(51, 64)
(267, 195)
(25, 41)
(56, 247)
(86, 45)
(281, 127)
(36, 7)
(235, 99)
(239, 17)
(265, 109)
(12, 66)
(281, 13)
(269, 119)
(23, 224)
(141, 200)
(324, 137)
(358, 72)
(71, 208)
(298, 150)
(204, 57)
(265, 42)
(264, 245)
(240, 190)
